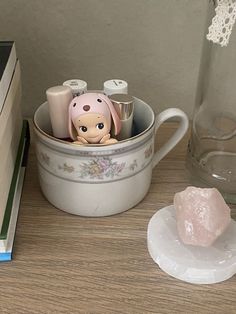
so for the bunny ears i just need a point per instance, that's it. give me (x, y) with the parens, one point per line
(92, 103)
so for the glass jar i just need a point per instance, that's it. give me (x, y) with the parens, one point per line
(211, 157)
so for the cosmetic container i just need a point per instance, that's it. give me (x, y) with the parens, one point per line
(78, 87)
(59, 98)
(124, 105)
(115, 86)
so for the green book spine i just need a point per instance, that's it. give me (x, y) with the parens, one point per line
(23, 144)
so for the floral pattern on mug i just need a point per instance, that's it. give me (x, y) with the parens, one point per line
(148, 152)
(97, 168)
(66, 168)
(133, 165)
(101, 167)
(45, 158)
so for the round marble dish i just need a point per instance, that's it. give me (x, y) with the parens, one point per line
(189, 263)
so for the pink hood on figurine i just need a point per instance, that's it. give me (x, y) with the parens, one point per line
(92, 103)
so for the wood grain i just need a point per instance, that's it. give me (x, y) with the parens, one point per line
(69, 264)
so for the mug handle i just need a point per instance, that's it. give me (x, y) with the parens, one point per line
(176, 137)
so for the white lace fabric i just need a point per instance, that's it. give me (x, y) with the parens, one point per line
(222, 24)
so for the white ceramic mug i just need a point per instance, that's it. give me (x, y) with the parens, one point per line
(102, 180)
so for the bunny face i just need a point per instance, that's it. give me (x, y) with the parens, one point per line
(90, 117)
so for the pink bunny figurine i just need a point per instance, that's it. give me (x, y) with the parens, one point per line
(90, 119)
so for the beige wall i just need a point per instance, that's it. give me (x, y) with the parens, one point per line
(153, 44)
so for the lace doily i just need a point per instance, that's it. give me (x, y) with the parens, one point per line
(223, 22)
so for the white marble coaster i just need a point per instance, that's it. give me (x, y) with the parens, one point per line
(193, 264)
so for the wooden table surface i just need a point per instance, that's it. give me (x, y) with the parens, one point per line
(70, 264)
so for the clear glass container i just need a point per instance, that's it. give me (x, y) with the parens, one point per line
(211, 157)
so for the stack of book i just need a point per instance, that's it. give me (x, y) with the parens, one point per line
(14, 143)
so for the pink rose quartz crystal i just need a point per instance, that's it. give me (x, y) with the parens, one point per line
(201, 215)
